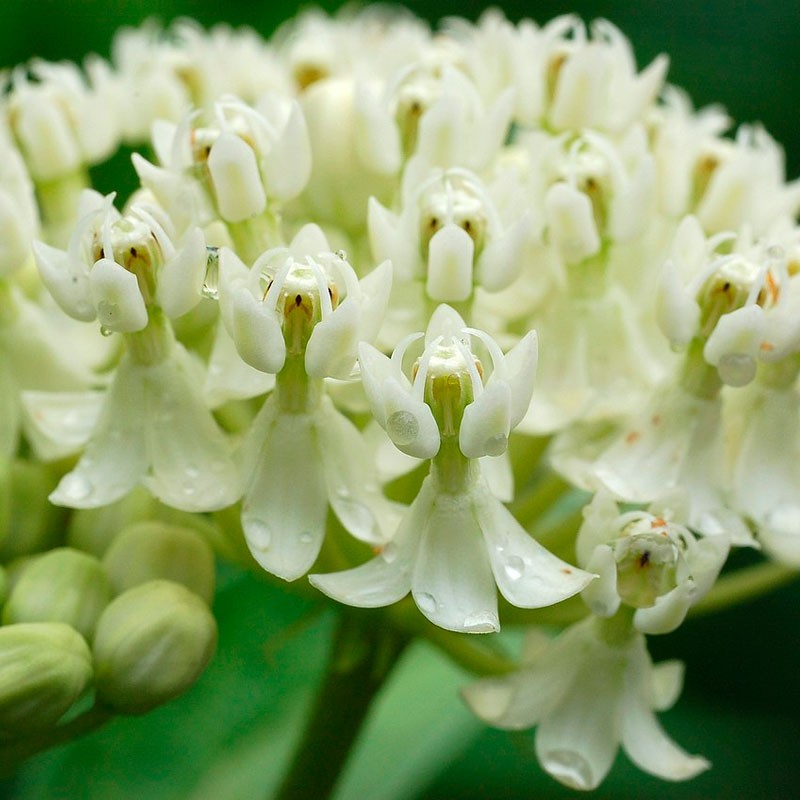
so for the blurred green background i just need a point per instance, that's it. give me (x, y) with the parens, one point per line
(229, 738)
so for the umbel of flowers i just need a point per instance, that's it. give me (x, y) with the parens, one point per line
(322, 311)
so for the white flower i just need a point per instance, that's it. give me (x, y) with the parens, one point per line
(116, 267)
(645, 560)
(589, 694)
(154, 429)
(19, 214)
(300, 313)
(456, 542)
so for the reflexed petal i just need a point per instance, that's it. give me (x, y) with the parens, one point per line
(386, 578)
(228, 376)
(190, 460)
(286, 502)
(180, 280)
(452, 582)
(117, 298)
(116, 457)
(666, 684)
(308, 241)
(353, 491)
(527, 575)
(501, 260)
(67, 280)
(409, 422)
(649, 747)
(578, 740)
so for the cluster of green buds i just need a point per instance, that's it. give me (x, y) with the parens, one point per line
(127, 627)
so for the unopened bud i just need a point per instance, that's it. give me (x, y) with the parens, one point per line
(148, 551)
(44, 669)
(151, 645)
(63, 585)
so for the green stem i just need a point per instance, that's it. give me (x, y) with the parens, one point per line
(743, 585)
(363, 654)
(13, 753)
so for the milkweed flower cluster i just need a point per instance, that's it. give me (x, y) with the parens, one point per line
(367, 270)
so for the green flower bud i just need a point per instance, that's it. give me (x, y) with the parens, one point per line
(28, 523)
(44, 669)
(151, 644)
(147, 551)
(63, 585)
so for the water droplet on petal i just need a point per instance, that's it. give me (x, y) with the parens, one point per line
(306, 538)
(736, 369)
(570, 768)
(75, 488)
(426, 603)
(496, 445)
(402, 427)
(258, 533)
(105, 331)
(514, 568)
(481, 622)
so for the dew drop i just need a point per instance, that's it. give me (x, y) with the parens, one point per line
(75, 488)
(736, 369)
(211, 280)
(481, 622)
(306, 538)
(514, 568)
(402, 427)
(105, 331)
(426, 603)
(496, 445)
(189, 489)
(258, 533)
(570, 768)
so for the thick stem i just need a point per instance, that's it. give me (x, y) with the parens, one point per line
(362, 656)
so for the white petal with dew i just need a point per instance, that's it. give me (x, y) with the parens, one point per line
(191, 467)
(409, 422)
(452, 582)
(286, 502)
(527, 574)
(386, 578)
(353, 491)
(117, 298)
(115, 459)
(578, 740)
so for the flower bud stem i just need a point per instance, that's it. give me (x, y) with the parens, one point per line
(362, 656)
(152, 344)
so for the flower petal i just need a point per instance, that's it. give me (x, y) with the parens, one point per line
(332, 348)
(527, 575)
(237, 182)
(257, 332)
(67, 280)
(180, 280)
(450, 256)
(452, 582)
(58, 424)
(286, 502)
(190, 460)
(116, 456)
